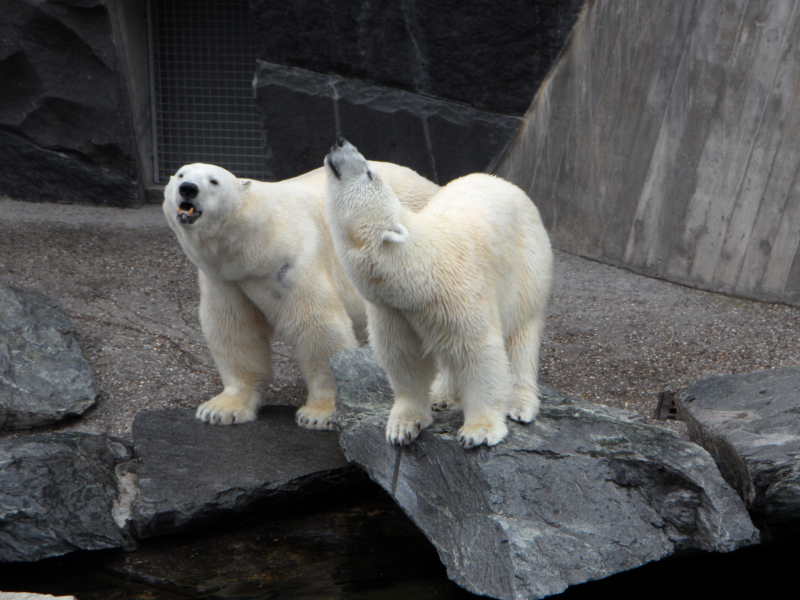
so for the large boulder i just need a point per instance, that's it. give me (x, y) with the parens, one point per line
(190, 473)
(751, 425)
(580, 494)
(58, 493)
(64, 130)
(304, 112)
(44, 376)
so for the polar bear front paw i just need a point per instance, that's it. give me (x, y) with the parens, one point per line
(404, 425)
(315, 417)
(482, 433)
(227, 409)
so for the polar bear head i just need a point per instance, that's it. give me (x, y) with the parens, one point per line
(355, 193)
(200, 192)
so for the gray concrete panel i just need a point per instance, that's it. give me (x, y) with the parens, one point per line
(662, 140)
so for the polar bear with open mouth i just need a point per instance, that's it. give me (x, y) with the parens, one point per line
(460, 288)
(266, 267)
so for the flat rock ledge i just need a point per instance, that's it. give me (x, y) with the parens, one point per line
(580, 494)
(751, 426)
(44, 376)
(62, 492)
(59, 493)
(189, 472)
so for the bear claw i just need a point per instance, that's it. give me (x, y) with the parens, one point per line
(402, 429)
(476, 435)
(314, 418)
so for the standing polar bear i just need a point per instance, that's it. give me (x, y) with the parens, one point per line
(266, 266)
(461, 287)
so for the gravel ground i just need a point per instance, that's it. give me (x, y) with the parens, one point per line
(613, 336)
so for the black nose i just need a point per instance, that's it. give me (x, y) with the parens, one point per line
(341, 142)
(188, 190)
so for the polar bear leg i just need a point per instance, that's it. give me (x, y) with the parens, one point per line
(486, 386)
(523, 352)
(444, 393)
(410, 372)
(238, 336)
(325, 330)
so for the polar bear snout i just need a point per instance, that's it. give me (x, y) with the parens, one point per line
(188, 190)
(345, 160)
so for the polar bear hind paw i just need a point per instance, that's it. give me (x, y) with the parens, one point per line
(312, 417)
(525, 406)
(403, 427)
(471, 436)
(225, 410)
(444, 404)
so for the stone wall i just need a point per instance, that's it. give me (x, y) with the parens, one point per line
(664, 140)
(65, 131)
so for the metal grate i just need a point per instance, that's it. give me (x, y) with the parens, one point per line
(202, 62)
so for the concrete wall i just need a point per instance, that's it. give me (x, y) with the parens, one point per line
(667, 139)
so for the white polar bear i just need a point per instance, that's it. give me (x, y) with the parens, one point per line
(461, 286)
(266, 266)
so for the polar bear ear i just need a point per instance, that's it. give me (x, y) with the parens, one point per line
(370, 174)
(396, 234)
(246, 185)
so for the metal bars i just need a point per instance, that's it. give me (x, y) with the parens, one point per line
(202, 56)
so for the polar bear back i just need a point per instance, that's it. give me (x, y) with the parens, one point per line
(494, 225)
(413, 190)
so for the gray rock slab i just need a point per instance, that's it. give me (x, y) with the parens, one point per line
(304, 112)
(57, 494)
(751, 425)
(580, 494)
(191, 472)
(44, 376)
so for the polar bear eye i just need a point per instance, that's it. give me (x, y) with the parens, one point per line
(180, 175)
(214, 182)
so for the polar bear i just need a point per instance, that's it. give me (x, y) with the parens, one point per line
(461, 287)
(266, 267)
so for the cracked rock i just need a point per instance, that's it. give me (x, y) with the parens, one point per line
(57, 493)
(580, 494)
(44, 376)
(751, 425)
(190, 472)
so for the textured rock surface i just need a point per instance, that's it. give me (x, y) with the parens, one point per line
(492, 55)
(190, 472)
(304, 113)
(578, 495)
(751, 425)
(44, 376)
(64, 134)
(57, 494)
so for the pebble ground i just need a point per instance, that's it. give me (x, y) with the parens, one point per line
(613, 337)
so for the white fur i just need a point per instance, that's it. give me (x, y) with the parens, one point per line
(266, 267)
(460, 288)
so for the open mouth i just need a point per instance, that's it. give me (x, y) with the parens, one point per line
(187, 213)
